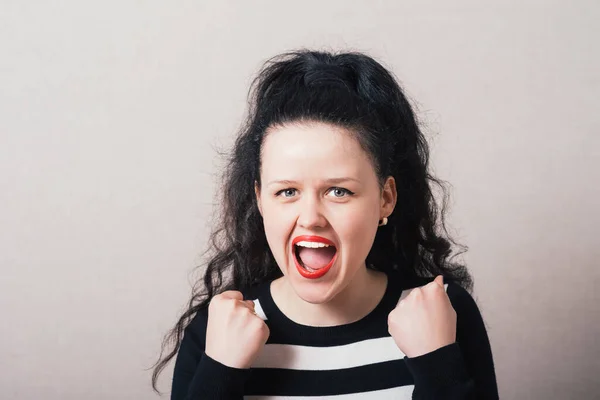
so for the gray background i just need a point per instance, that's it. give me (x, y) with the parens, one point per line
(109, 112)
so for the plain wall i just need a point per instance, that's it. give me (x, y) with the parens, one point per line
(109, 114)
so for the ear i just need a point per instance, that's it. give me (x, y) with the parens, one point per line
(388, 197)
(257, 193)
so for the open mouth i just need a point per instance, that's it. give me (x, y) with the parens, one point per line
(313, 255)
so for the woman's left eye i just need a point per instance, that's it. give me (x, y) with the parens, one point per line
(340, 192)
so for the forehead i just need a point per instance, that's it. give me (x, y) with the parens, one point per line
(313, 150)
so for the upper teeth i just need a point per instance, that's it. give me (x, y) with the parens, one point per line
(313, 245)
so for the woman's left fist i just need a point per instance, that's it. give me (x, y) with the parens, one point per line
(424, 321)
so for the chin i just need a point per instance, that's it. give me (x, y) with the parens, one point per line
(318, 291)
(312, 294)
(314, 291)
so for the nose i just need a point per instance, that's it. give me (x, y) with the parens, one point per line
(310, 214)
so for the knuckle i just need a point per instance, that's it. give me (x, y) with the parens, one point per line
(232, 294)
(264, 328)
(237, 295)
(257, 324)
(391, 326)
(214, 302)
(229, 305)
(393, 317)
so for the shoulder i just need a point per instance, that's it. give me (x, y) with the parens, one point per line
(195, 331)
(462, 301)
(470, 324)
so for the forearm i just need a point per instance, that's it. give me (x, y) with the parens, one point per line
(441, 374)
(213, 380)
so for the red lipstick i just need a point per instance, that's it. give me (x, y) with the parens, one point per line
(305, 272)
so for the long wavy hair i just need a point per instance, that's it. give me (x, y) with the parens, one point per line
(353, 91)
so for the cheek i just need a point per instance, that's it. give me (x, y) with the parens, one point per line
(357, 230)
(278, 225)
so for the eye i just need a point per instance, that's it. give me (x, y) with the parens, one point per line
(287, 193)
(340, 192)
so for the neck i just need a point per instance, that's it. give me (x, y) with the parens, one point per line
(354, 302)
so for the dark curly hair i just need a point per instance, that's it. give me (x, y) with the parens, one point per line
(349, 90)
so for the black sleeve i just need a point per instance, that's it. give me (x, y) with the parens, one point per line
(462, 370)
(197, 376)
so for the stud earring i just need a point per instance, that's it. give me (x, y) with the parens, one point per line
(384, 221)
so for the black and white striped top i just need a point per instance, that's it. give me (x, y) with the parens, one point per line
(349, 362)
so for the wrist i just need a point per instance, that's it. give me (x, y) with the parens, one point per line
(429, 349)
(214, 380)
(442, 367)
(225, 360)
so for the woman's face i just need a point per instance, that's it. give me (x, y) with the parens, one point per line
(321, 203)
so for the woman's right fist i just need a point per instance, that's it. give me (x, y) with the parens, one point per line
(235, 335)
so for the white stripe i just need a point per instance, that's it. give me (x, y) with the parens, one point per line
(397, 393)
(310, 358)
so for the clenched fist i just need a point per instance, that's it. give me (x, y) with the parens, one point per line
(235, 335)
(424, 321)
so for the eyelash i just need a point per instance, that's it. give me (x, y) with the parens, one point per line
(346, 191)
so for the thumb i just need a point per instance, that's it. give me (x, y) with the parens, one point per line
(439, 280)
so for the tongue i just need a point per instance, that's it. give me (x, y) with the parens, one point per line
(316, 258)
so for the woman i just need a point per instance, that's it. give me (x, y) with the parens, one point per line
(329, 274)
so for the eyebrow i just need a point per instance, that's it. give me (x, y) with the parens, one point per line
(328, 181)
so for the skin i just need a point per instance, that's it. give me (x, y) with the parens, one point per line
(317, 163)
(234, 334)
(424, 321)
(302, 193)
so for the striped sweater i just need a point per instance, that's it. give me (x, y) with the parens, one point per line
(348, 362)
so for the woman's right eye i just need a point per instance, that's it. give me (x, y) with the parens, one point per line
(286, 193)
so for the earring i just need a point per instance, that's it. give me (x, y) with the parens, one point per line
(383, 222)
